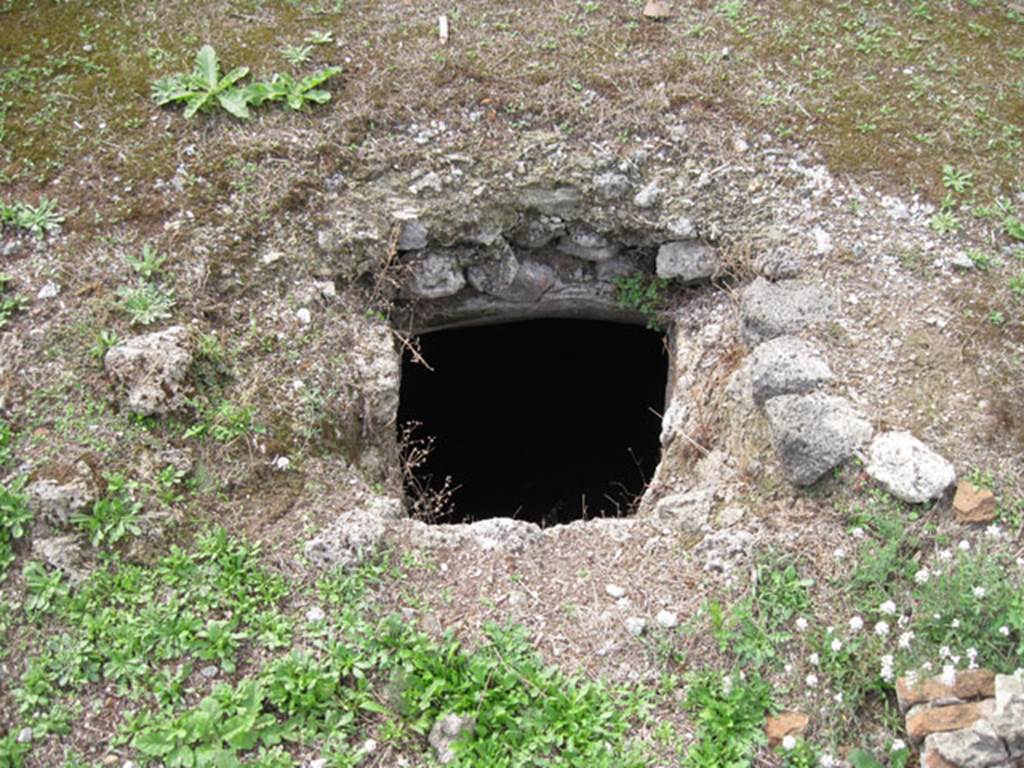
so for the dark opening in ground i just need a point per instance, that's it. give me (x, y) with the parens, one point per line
(547, 420)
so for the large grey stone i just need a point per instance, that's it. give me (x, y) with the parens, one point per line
(768, 309)
(908, 469)
(588, 245)
(413, 236)
(690, 511)
(63, 553)
(354, 536)
(153, 369)
(611, 186)
(687, 260)
(435, 276)
(62, 492)
(814, 433)
(536, 232)
(552, 201)
(786, 366)
(496, 270)
(447, 730)
(976, 747)
(1009, 688)
(1009, 726)
(531, 282)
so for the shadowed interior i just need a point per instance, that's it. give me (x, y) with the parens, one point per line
(546, 420)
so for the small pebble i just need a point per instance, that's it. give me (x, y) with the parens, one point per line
(304, 316)
(316, 613)
(635, 626)
(369, 747)
(319, 763)
(209, 672)
(24, 735)
(666, 619)
(614, 591)
(130, 764)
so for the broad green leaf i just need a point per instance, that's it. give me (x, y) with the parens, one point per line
(207, 66)
(195, 103)
(182, 757)
(317, 96)
(317, 78)
(234, 101)
(153, 743)
(295, 100)
(861, 759)
(232, 77)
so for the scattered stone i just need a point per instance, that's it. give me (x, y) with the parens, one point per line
(130, 764)
(1009, 726)
(413, 236)
(588, 245)
(975, 747)
(435, 276)
(687, 261)
(968, 684)
(614, 591)
(320, 762)
(690, 510)
(777, 727)
(925, 719)
(908, 469)
(316, 613)
(779, 264)
(657, 10)
(446, 731)
(786, 366)
(63, 553)
(814, 433)
(635, 625)
(348, 541)
(667, 619)
(304, 316)
(611, 186)
(210, 671)
(682, 228)
(24, 735)
(648, 196)
(560, 201)
(62, 491)
(154, 370)
(724, 550)
(961, 261)
(972, 504)
(49, 291)
(769, 309)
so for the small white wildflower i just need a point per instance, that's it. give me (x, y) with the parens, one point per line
(1020, 562)
(856, 624)
(837, 645)
(937, 616)
(839, 553)
(882, 628)
(814, 659)
(857, 533)
(964, 545)
(1004, 631)
(945, 555)
(811, 680)
(922, 576)
(903, 620)
(788, 743)
(927, 666)
(838, 697)
(994, 531)
(972, 658)
(955, 623)
(906, 639)
(887, 608)
(788, 668)
(944, 652)
(912, 678)
(801, 624)
(827, 761)
(281, 463)
(829, 629)
(898, 745)
(949, 675)
(979, 592)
